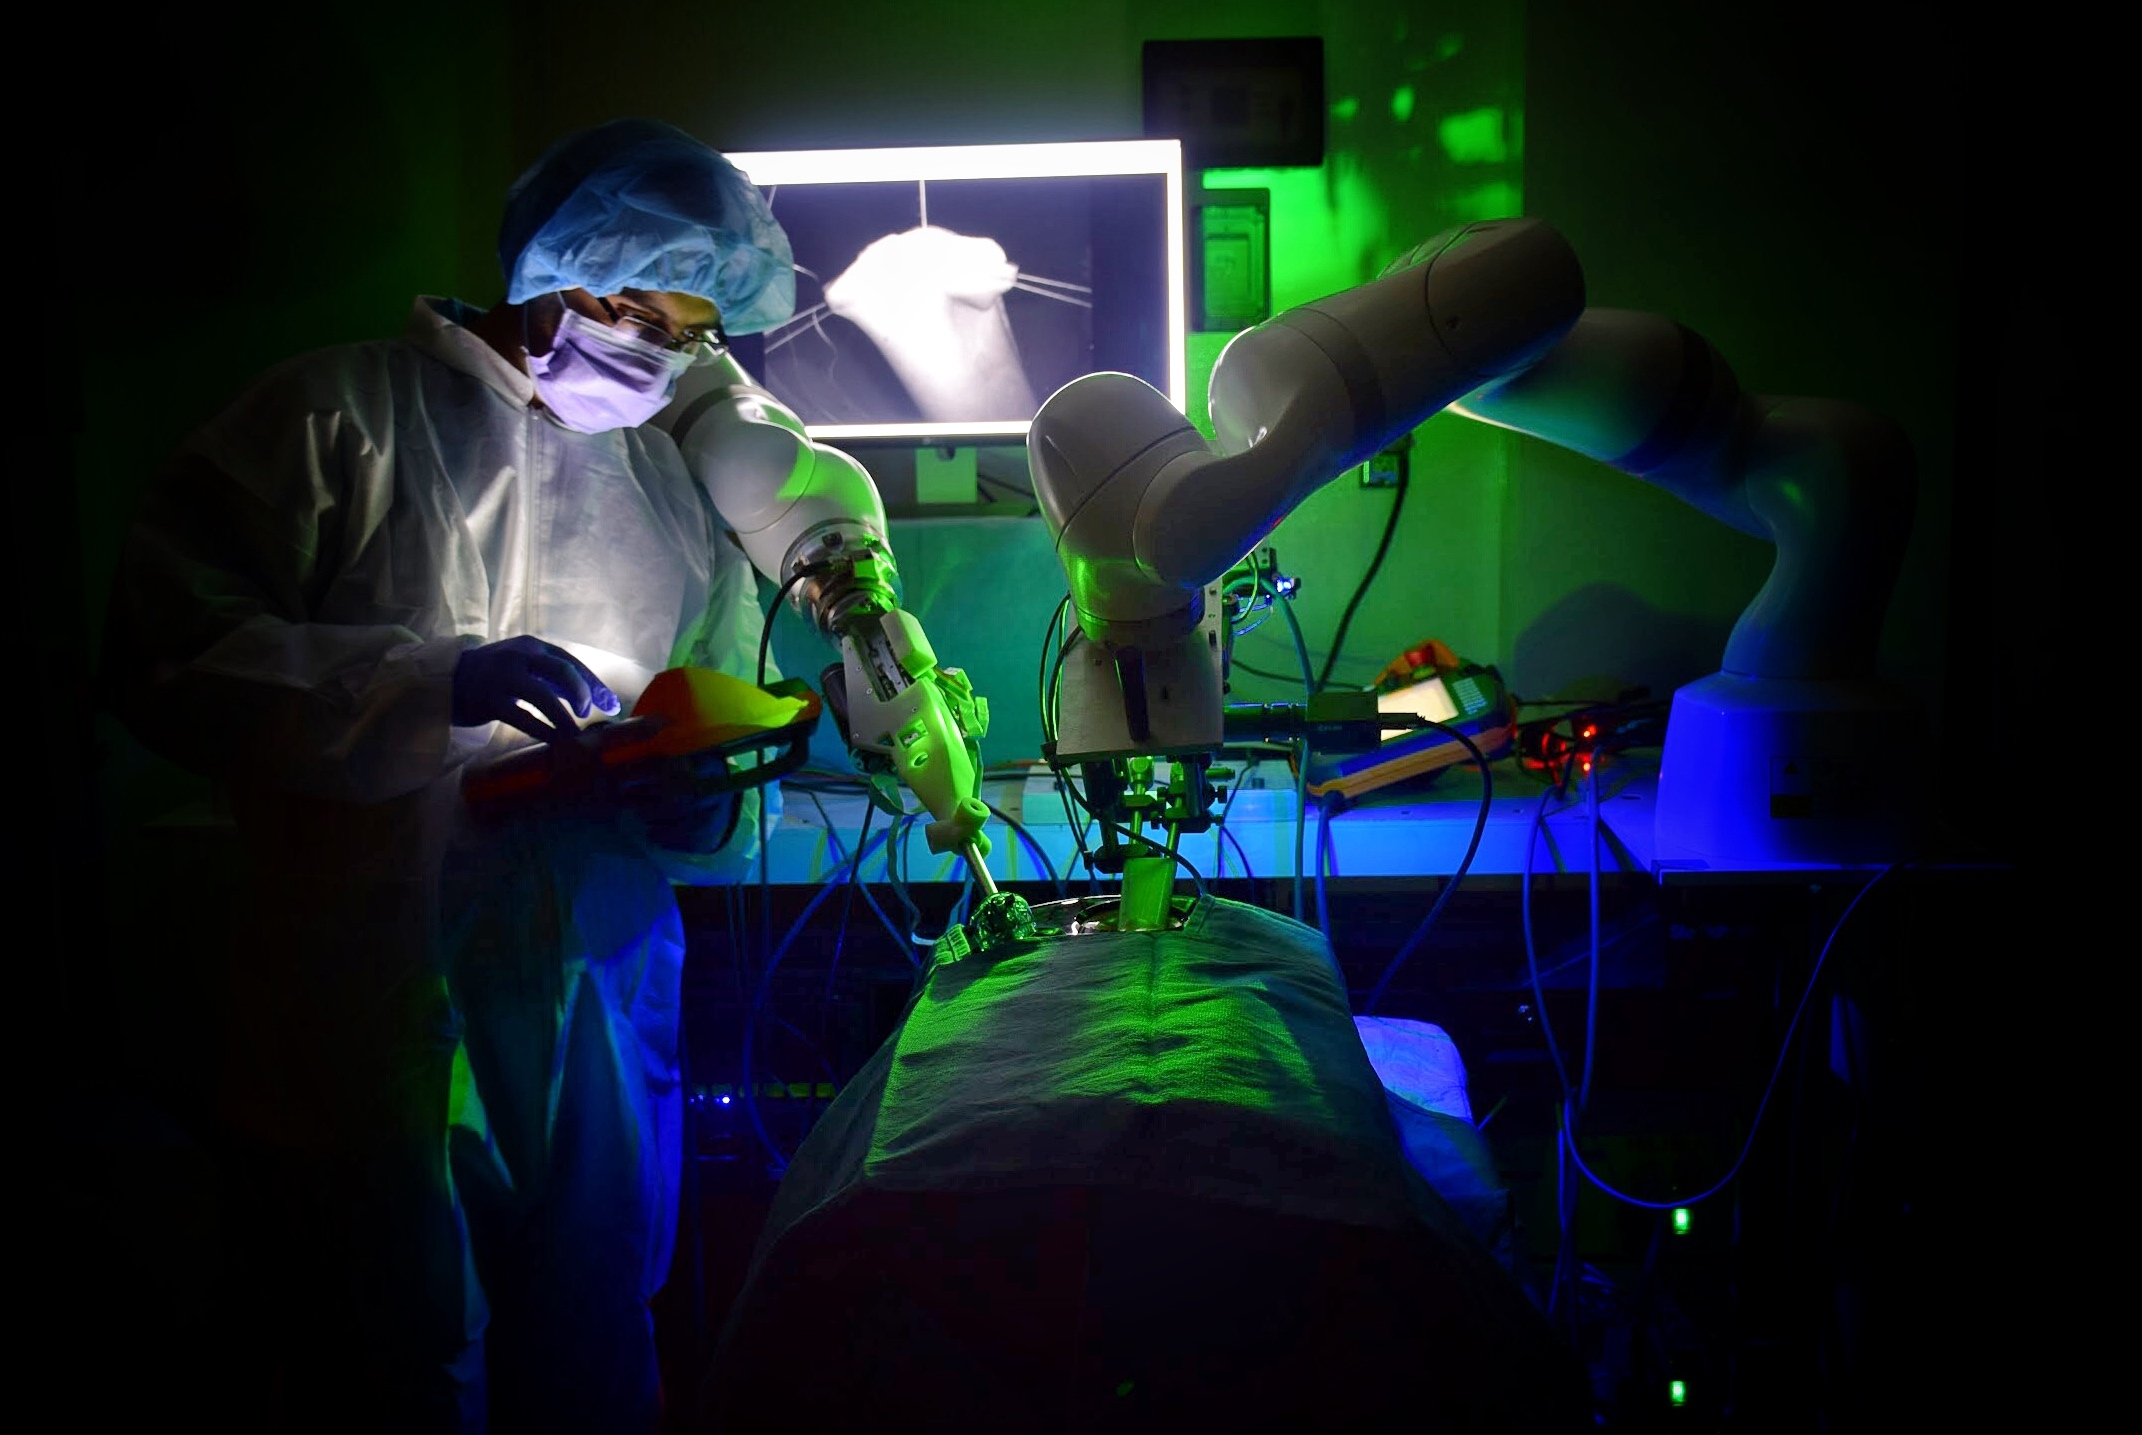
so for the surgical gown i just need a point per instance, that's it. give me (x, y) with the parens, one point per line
(472, 1033)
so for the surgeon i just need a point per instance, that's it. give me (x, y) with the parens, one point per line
(451, 1067)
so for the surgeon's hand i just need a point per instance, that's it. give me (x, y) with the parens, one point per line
(492, 682)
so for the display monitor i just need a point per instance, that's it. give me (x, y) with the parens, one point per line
(943, 292)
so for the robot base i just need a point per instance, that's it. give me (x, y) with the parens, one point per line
(1781, 772)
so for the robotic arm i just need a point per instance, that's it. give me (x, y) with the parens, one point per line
(1148, 516)
(1829, 483)
(810, 519)
(1781, 756)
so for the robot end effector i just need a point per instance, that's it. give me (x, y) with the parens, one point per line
(810, 518)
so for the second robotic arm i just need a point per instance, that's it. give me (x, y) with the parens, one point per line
(1830, 483)
(1147, 513)
(810, 519)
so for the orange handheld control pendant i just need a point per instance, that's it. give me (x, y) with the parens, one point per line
(684, 730)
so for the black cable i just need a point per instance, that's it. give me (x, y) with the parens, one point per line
(1420, 933)
(1056, 677)
(1196, 877)
(1078, 832)
(1048, 732)
(1238, 665)
(985, 481)
(819, 780)
(1346, 619)
(1041, 677)
(809, 570)
(1325, 809)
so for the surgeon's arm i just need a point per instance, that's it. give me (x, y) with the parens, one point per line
(213, 653)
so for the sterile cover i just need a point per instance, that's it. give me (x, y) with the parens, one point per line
(1123, 1179)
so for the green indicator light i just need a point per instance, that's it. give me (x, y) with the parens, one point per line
(1677, 1392)
(1680, 1221)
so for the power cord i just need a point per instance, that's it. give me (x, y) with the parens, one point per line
(1383, 546)
(1221, 837)
(1755, 1126)
(1465, 865)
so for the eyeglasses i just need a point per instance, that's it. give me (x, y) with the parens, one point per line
(710, 337)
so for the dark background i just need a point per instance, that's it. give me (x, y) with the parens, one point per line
(1872, 201)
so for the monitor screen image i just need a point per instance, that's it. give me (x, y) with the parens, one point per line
(943, 292)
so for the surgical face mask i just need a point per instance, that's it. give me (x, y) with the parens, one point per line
(596, 378)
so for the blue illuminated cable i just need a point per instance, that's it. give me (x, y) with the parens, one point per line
(1220, 835)
(847, 908)
(1532, 964)
(1323, 860)
(765, 994)
(896, 872)
(1077, 825)
(1465, 864)
(1569, 1138)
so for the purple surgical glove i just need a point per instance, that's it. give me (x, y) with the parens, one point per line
(493, 681)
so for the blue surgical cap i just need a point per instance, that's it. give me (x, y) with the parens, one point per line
(637, 204)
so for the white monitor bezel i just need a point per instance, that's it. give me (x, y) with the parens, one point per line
(769, 169)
